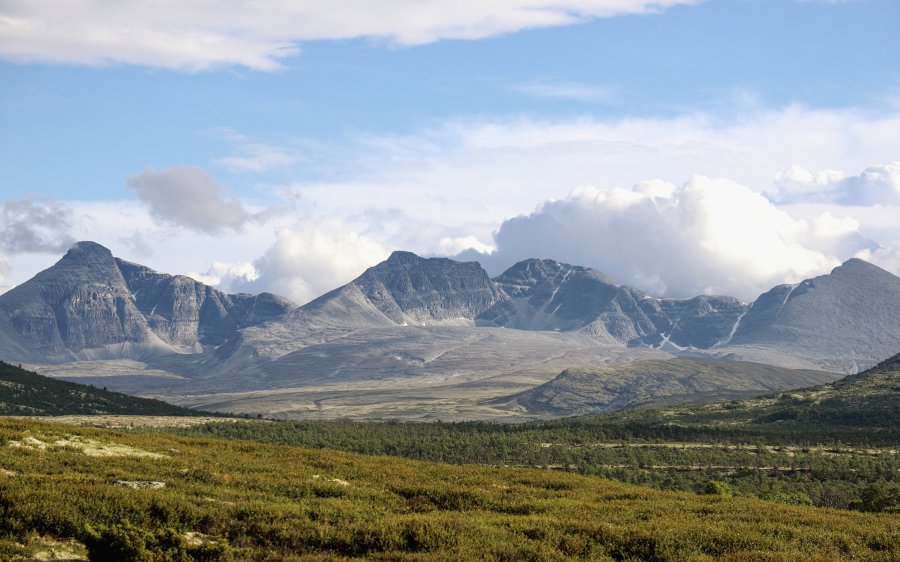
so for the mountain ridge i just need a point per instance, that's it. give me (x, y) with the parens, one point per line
(432, 324)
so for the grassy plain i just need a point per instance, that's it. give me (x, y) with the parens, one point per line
(240, 500)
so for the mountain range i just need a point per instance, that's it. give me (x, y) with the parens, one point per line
(428, 338)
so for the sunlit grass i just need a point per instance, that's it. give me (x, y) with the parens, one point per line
(249, 501)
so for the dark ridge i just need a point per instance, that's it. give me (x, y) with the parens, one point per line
(24, 393)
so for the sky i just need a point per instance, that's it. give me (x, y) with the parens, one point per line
(680, 146)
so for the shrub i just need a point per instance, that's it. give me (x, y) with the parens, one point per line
(718, 488)
(127, 543)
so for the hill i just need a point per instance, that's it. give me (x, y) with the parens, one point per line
(23, 393)
(162, 497)
(867, 401)
(656, 382)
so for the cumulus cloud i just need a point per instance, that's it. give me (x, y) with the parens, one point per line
(310, 260)
(137, 245)
(34, 224)
(449, 246)
(705, 236)
(876, 185)
(225, 275)
(208, 33)
(886, 256)
(187, 196)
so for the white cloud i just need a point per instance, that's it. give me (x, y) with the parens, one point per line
(887, 256)
(876, 185)
(4, 271)
(31, 225)
(202, 34)
(312, 259)
(225, 275)
(187, 196)
(446, 187)
(472, 171)
(706, 236)
(449, 246)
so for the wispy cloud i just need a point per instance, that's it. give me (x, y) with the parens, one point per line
(566, 91)
(205, 34)
(256, 157)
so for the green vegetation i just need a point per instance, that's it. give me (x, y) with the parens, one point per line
(23, 393)
(831, 446)
(834, 475)
(167, 497)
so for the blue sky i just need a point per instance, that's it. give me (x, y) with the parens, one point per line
(322, 142)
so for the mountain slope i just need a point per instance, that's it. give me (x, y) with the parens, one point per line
(24, 393)
(848, 320)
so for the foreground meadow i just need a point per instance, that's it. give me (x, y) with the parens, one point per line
(119, 495)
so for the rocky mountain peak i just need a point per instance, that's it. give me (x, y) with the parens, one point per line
(90, 304)
(87, 250)
(80, 303)
(400, 257)
(526, 276)
(410, 289)
(849, 315)
(89, 259)
(855, 267)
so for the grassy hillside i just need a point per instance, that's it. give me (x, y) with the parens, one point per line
(151, 496)
(23, 393)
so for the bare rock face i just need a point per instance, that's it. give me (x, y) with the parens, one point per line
(548, 295)
(414, 290)
(90, 305)
(189, 314)
(700, 322)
